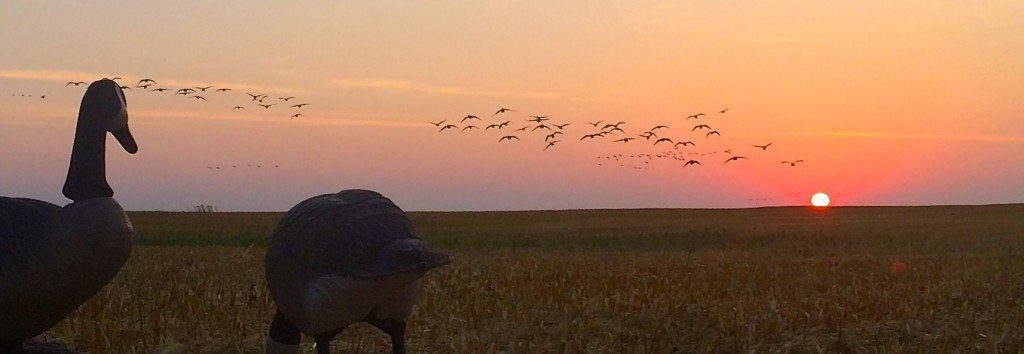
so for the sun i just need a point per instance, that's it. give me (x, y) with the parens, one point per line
(820, 200)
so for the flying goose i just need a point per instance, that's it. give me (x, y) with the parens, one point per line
(296, 115)
(76, 83)
(300, 105)
(223, 90)
(551, 136)
(537, 119)
(713, 132)
(449, 126)
(734, 158)
(146, 80)
(286, 99)
(595, 123)
(469, 127)
(203, 88)
(624, 140)
(667, 140)
(343, 258)
(561, 126)
(254, 97)
(158, 89)
(684, 143)
(469, 117)
(438, 124)
(793, 163)
(53, 259)
(764, 147)
(238, 107)
(508, 137)
(552, 144)
(691, 162)
(700, 126)
(502, 110)
(267, 106)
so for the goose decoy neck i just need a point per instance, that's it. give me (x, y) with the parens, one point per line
(103, 110)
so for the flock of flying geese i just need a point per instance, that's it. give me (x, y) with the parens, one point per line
(200, 93)
(613, 131)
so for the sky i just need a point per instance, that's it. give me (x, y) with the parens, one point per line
(889, 102)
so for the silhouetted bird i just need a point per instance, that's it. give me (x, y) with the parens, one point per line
(595, 124)
(267, 106)
(146, 80)
(296, 115)
(469, 117)
(667, 140)
(469, 127)
(203, 88)
(286, 98)
(502, 110)
(734, 158)
(701, 126)
(76, 83)
(723, 111)
(713, 132)
(537, 119)
(523, 129)
(198, 97)
(125, 87)
(551, 136)
(300, 105)
(552, 144)
(223, 90)
(144, 87)
(504, 124)
(561, 126)
(793, 163)
(691, 162)
(160, 89)
(541, 126)
(496, 126)
(624, 140)
(238, 107)
(449, 126)
(254, 97)
(764, 147)
(683, 143)
(508, 137)
(438, 124)
(658, 127)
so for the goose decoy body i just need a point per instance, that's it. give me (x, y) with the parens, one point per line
(339, 259)
(53, 259)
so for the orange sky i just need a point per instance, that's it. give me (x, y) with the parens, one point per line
(915, 102)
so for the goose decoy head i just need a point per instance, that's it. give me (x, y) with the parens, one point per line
(104, 102)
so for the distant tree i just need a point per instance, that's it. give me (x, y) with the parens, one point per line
(203, 208)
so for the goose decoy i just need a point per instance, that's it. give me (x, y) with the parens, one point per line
(764, 147)
(339, 259)
(53, 259)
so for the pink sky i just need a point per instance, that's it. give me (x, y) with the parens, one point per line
(891, 104)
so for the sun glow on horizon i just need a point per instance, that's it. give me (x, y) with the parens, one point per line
(820, 200)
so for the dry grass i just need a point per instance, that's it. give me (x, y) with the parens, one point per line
(610, 281)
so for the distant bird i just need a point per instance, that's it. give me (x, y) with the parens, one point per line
(115, 78)
(496, 126)
(300, 105)
(713, 132)
(146, 80)
(616, 125)
(561, 126)
(254, 97)
(723, 111)
(469, 117)
(537, 119)
(616, 129)
(734, 158)
(552, 144)
(508, 137)
(144, 87)
(504, 124)
(502, 110)
(595, 124)
(469, 127)
(438, 124)
(449, 126)
(541, 126)
(286, 98)
(701, 126)
(76, 83)
(42, 97)
(223, 90)
(203, 88)
(185, 91)
(667, 140)
(551, 136)
(238, 107)
(658, 127)
(695, 116)
(589, 136)
(198, 97)
(624, 140)
(793, 163)
(691, 162)
(764, 147)
(683, 143)
(160, 89)
(523, 129)
(296, 115)
(125, 88)
(266, 105)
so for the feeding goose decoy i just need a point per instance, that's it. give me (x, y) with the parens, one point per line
(53, 259)
(338, 259)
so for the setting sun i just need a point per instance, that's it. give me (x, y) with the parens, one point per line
(820, 200)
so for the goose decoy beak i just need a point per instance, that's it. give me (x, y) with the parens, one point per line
(106, 100)
(124, 136)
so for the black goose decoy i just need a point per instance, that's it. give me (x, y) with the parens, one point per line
(339, 259)
(53, 259)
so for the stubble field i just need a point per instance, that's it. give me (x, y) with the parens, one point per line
(771, 279)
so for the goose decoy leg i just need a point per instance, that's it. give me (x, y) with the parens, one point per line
(323, 341)
(284, 337)
(394, 328)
